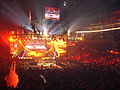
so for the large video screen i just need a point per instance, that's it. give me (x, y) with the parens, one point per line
(24, 48)
(52, 13)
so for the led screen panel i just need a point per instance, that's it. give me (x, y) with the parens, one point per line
(52, 13)
(24, 48)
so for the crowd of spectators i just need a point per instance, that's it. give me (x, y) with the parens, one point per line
(88, 70)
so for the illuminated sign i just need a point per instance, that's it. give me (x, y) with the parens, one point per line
(39, 47)
(52, 13)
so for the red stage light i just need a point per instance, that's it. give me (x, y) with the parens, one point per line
(12, 32)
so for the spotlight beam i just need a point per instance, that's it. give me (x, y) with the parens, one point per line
(102, 30)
